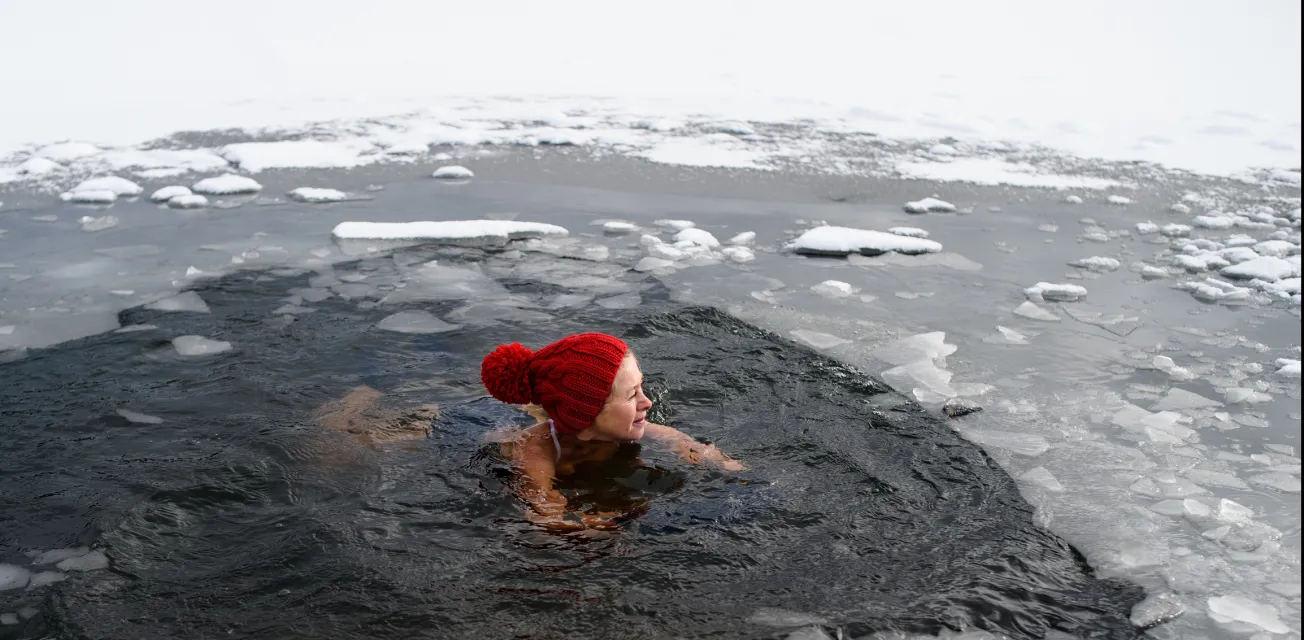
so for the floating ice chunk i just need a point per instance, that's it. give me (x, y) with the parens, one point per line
(1185, 507)
(828, 240)
(1237, 255)
(650, 263)
(301, 154)
(1097, 263)
(1180, 208)
(167, 193)
(770, 617)
(184, 301)
(192, 201)
(620, 301)
(1215, 479)
(698, 237)
(923, 379)
(664, 251)
(13, 577)
(675, 225)
(929, 205)
(415, 322)
(1288, 368)
(1008, 335)
(8, 619)
(1043, 478)
(93, 561)
(1181, 399)
(1073, 199)
(916, 348)
(1024, 444)
(1156, 609)
(1241, 395)
(1034, 312)
(1234, 512)
(120, 187)
(744, 238)
(816, 339)
(618, 228)
(316, 195)
(139, 418)
(1146, 228)
(1055, 292)
(1176, 230)
(1276, 248)
(909, 232)
(1214, 222)
(1213, 290)
(1119, 200)
(199, 346)
(46, 578)
(453, 172)
(227, 184)
(89, 197)
(738, 254)
(1268, 268)
(91, 223)
(834, 289)
(1234, 609)
(809, 633)
(1277, 480)
(455, 231)
(1048, 228)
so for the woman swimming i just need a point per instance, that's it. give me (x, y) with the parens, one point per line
(590, 392)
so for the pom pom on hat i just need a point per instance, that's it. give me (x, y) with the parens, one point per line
(506, 373)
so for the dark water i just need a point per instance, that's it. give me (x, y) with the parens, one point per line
(239, 517)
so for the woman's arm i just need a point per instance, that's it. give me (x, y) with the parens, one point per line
(358, 413)
(690, 449)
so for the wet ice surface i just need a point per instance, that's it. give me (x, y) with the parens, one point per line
(1154, 423)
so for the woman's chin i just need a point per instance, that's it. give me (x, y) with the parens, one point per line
(636, 431)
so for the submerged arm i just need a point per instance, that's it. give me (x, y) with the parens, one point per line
(357, 413)
(546, 505)
(686, 447)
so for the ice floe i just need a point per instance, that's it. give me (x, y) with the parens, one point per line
(1258, 616)
(744, 238)
(189, 301)
(92, 223)
(841, 241)
(675, 225)
(300, 154)
(120, 187)
(1118, 200)
(1288, 368)
(101, 196)
(616, 227)
(1097, 263)
(452, 172)
(193, 346)
(452, 231)
(697, 237)
(1073, 199)
(190, 201)
(167, 193)
(929, 205)
(1055, 292)
(909, 232)
(995, 171)
(1267, 268)
(415, 322)
(317, 195)
(227, 184)
(833, 289)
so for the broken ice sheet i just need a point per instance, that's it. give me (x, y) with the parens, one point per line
(1024, 444)
(1179, 399)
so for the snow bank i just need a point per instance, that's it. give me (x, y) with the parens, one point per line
(314, 154)
(841, 241)
(994, 171)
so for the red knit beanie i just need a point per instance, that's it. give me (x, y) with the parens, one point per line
(571, 378)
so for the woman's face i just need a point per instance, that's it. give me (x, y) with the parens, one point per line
(624, 416)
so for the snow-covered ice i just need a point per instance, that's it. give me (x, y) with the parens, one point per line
(738, 254)
(929, 205)
(909, 232)
(497, 231)
(616, 227)
(227, 184)
(1267, 268)
(92, 561)
(833, 289)
(840, 241)
(191, 346)
(1288, 367)
(1073, 199)
(995, 171)
(744, 238)
(1176, 230)
(650, 263)
(452, 172)
(1214, 222)
(1146, 228)
(697, 237)
(189, 201)
(284, 154)
(1097, 263)
(120, 187)
(317, 195)
(99, 196)
(1118, 200)
(164, 194)
(675, 225)
(1056, 292)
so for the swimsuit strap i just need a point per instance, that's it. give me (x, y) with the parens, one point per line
(552, 429)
